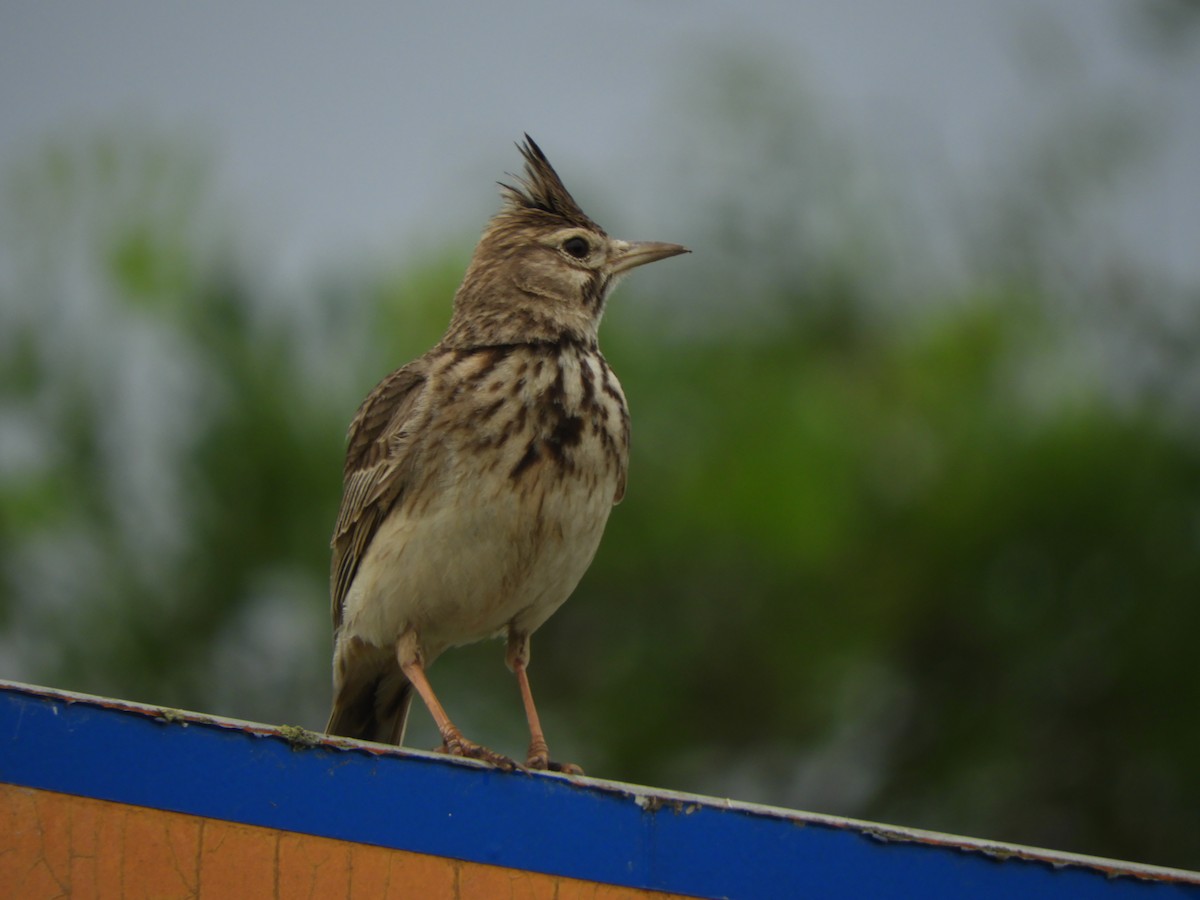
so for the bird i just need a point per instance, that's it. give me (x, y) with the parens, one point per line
(479, 477)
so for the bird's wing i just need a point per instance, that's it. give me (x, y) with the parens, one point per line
(376, 472)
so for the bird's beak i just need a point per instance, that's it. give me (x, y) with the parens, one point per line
(631, 254)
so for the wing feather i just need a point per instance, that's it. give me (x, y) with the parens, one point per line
(376, 472)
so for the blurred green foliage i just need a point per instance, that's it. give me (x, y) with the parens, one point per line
(932, 560)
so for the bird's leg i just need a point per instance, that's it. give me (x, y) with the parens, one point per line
(412, 664)
(517, 658)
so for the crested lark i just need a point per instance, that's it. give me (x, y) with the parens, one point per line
(480, 476)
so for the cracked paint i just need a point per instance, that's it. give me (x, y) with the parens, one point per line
(69, 844)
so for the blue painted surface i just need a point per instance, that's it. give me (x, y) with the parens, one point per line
(425, 804)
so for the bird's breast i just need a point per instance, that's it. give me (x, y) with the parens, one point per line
(524, 453)
(544, 416)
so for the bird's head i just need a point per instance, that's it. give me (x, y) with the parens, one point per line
(542, 269)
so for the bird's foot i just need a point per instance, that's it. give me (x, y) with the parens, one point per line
(539, 760)
(457, 745)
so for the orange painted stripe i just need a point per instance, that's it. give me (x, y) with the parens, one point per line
(61, 845)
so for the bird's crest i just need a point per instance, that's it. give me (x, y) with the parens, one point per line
(541, 189)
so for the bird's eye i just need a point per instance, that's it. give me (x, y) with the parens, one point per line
(577, 247)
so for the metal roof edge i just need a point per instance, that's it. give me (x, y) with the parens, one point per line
(647, 870)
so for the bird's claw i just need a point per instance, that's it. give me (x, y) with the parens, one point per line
(460, 746)
(539, 760)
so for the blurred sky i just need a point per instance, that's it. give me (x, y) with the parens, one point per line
(344, 129)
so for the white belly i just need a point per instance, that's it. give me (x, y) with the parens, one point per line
(469, 565)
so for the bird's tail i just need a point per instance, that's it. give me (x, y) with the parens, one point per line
(372, 709)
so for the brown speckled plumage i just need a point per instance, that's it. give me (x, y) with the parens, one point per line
(479, 477)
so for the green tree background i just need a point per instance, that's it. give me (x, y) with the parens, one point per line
(912, 534)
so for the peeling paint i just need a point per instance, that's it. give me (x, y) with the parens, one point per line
(340, 754)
